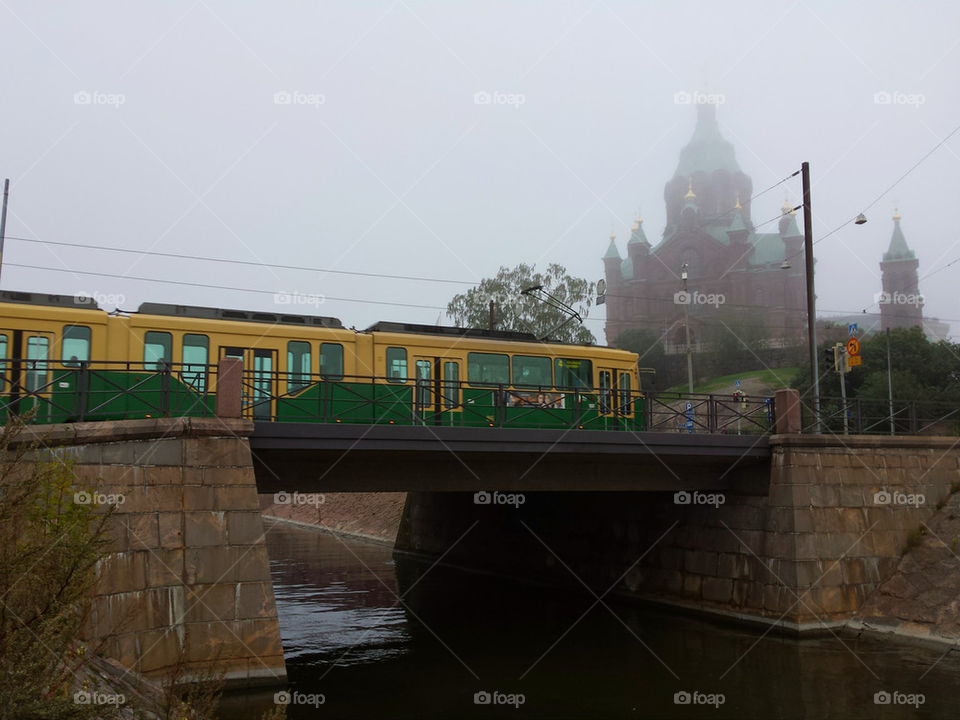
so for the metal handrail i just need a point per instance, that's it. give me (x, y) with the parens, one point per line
(873, 416)
(92, 390)
(75, 390)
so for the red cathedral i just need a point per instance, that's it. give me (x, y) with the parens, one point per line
(731, 268)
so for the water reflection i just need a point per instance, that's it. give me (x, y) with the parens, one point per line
(457, 634)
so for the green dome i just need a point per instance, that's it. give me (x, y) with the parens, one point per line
(707, 151)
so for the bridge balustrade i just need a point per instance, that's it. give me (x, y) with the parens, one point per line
(47, 391)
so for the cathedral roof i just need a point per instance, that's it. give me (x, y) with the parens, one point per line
(788, 223)
(626, 269)
(707, 150)
(612, 251)
(636, 234)
(898, 249)
(736, 224)
(768, 248)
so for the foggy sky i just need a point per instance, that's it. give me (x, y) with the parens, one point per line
(159, 126)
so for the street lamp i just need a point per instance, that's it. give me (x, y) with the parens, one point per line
(686, 328)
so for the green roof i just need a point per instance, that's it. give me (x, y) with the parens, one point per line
(768, 248)
(612, 251)
(737, 224)
(898, 249)
(792, 230)
(638, 236)
(626, 269)
(707, 150)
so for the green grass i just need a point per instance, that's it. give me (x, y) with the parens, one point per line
(780, 377)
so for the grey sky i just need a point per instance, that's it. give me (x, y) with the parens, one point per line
(383, 161)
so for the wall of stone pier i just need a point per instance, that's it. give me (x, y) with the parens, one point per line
(186, 579)
(804, 553)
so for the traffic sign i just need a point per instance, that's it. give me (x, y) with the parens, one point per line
(854, 360)
(737, 383)
(852, 330)
(853, 347)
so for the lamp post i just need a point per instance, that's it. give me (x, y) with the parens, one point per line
(686, 328)
(3, 218)
(811, 297)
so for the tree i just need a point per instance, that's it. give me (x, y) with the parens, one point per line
(922, 370)
(513, 311)
(49, 549)
(648, 345)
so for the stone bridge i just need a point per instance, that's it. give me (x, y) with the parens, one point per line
(795, 531)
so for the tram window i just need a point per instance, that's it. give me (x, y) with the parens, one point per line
(76, 344)
(298, 365)
(451, 379)
(605, 392)
(331, 361)
(531, 371)
(488, 369)
(196, 351)
(572, 373)
(424, 389)
(38, 352)
(396, 364)
(625, 399)
(157, 350)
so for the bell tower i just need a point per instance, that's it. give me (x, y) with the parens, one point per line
(901, 304)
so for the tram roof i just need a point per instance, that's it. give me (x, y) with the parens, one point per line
(397, 327)
(208, 313)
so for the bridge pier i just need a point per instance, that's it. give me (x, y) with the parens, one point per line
(802, 553)
(186, 580)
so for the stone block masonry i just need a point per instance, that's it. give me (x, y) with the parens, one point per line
(186, 580)
(804, 553)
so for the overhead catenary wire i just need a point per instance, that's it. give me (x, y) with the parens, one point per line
(258, 291)
(280, 266)
(219, 287)
(234, 261)
(879, 197)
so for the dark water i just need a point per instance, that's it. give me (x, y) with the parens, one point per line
(347, 638)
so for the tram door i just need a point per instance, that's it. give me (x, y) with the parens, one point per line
(452, 400)
(426, 396)
(615, 398)
(26, 376)
(259, 388)
(607, 384)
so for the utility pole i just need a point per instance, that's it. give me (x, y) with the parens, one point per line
(841, 354)
(811, 297)
(686, 328)
(893, 430)
(492, 323)
(3, 218)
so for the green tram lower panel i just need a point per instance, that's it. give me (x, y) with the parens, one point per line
(112, 395)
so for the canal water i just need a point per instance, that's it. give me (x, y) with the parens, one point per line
(462, 645)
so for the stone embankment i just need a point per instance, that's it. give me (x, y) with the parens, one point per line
(185, 581)
(373, 516)
(921, 600)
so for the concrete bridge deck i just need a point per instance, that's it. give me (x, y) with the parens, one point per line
(311, 457)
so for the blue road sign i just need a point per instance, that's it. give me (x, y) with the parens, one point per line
(852, 330)
(737, 383)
